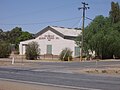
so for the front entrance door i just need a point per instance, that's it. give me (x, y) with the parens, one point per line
(49, 49)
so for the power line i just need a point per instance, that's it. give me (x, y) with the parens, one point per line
(48, 9)
(62, 20)
(77, 23)
(89, 18)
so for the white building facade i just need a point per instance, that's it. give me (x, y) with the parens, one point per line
(53, 39)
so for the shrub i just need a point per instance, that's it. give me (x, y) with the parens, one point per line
(32, 51)
(104, 71)
(4, 50)
(66, 55)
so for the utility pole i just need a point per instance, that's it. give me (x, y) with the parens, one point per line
(82, 42)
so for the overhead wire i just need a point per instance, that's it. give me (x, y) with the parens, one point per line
(89, 18)
(40, 22)
(48, 9)
(77, 24)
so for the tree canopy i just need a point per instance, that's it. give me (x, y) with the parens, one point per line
(14, 36)
(115, 12)
(102, 35)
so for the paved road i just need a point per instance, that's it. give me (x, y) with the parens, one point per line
(66, 67)
(81, 64)
(63, 79)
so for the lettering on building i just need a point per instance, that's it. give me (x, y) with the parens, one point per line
(48, 37)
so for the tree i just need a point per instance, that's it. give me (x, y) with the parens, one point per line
(3, 35)
(32, 51)
(115, 12)
(102, 37)
(14, 34)
(5, 49)
(115, 19)
(116, 44)
(24, 36)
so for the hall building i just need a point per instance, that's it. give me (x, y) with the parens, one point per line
(53, 39)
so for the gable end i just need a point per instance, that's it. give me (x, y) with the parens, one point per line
(51, 29)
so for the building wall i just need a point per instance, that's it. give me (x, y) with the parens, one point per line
(22, 46)
(50, 38)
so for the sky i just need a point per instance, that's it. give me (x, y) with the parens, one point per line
(34, 15)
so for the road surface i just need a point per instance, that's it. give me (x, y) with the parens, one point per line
(45, 76)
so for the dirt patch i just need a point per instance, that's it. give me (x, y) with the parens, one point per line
(104, 71)
(111, 70)
(5, 63)
(8, 85)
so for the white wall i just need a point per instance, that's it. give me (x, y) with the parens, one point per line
(57, 42)
(22, 46)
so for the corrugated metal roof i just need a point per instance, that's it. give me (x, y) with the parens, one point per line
(67, 31)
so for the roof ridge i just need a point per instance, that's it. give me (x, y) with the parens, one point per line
(63, 27)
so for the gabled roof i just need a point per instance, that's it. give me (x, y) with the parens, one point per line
(61, 31)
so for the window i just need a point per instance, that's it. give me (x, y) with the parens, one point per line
(77, 51)
(49, 49)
